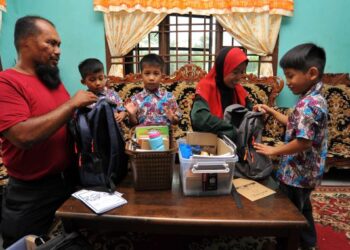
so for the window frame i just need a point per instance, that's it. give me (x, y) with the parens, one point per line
(164, 47)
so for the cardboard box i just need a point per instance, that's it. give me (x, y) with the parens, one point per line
(207, 175)
(209, 142)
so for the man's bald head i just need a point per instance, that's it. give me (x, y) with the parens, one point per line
(26, 27)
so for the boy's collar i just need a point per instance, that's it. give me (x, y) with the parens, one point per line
(156, 91)
(316, 87)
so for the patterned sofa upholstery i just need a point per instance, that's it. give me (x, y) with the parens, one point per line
(182, 83)
(337, 93)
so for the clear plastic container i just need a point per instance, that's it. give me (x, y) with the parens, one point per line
(205, 176)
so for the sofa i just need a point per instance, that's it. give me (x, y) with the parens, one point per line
(182, 83)
(337, 93)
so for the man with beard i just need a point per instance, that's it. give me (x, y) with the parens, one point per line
(34, 110)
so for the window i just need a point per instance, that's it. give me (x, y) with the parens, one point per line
(183, 39)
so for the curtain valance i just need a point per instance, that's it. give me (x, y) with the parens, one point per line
(3, 5)
(203, 7)
(2, 8)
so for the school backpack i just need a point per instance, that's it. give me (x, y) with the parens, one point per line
(100, 147)
(64, 241)
(249, 126)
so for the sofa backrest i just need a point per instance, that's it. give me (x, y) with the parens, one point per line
(182, 83)
(336, 90)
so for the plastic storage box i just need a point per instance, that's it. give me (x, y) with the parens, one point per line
(207, 175)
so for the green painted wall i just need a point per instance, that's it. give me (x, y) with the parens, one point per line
(81, 29)
(326, 23)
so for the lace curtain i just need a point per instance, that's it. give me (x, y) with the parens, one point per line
(125, 30)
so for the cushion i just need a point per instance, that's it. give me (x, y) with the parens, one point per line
(273, 128)
(184, 93)
(338, 100)
(338, 148)
(258, 93)
(126, 90)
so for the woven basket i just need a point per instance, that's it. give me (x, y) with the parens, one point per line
(152, 170)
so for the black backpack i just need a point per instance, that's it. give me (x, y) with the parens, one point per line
(249, 125)
(65, 241)
(100, 146)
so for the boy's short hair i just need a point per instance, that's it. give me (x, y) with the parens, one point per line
(90, 66)
(152, 60)
(303, 57)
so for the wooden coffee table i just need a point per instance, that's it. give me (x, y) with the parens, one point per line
(170, 212)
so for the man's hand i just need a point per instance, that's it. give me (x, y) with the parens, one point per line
(36, 129)
(83, 98)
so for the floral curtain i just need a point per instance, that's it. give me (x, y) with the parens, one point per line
(254, 23)
(125, 30)
(257, 32)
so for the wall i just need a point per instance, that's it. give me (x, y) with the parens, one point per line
(321, 21)
(324, 23)
(81, 30)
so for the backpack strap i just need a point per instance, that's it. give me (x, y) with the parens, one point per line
(85, 136)
(103, 118)
(234, 114)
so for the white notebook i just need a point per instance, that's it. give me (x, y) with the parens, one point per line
(100, 202)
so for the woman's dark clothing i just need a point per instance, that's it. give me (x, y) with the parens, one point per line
(203, 121)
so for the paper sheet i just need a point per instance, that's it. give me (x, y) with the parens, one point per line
(252, 190)
(100, 202)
